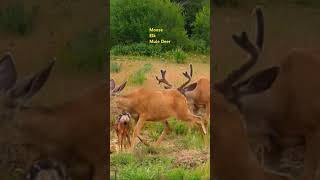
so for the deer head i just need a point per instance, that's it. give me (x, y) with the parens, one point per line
(182, 88)
(257, 83)
(14, 95)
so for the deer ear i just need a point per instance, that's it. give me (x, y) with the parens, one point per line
(112, 84)
(119, 88)
(258, 82)
(28, 87)
(8, 73)
(190, 87)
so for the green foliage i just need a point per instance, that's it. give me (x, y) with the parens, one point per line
(137, 49)
(17, 18)
(130, 167)
(178, 127)
(87, 51)
(115, 67)
(192, 140)
(122, 159)
(190, 9)
(139, 76)
(201, 34)
(179, 56)
(131, 19)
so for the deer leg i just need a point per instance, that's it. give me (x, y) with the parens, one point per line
(164, 132)
(119, 146)
(189, 117)
(121, 141)
(128, 138)
(136, 132)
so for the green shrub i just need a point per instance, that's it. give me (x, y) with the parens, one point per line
(115, 67)
(190, 9)
(131, 19)
(178, 127)
(201, 46)
(87, 51)
(16, 18)
(139, 76)
(201, 33)
(137, 49)
(180, 56)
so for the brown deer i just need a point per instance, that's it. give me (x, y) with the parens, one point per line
(197, 93)
(232, 153)
(287, 113)
(151, 105)
(72, 132)
(233, 158)
(122, 128)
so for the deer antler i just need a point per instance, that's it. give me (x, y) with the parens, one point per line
(188, 76)
(243, 42)
(163, 79)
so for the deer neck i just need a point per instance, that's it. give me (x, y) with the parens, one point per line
(232, 150)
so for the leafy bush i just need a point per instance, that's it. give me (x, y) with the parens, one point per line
(202, 29)
(131, 19)
(139, 76)
(87, 51)
(190, 9)
(180, 56)
(115, 67)
(16, 18)
(138, 49)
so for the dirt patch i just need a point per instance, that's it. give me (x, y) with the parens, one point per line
(190, 158)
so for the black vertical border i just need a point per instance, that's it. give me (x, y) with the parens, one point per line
(107, 74)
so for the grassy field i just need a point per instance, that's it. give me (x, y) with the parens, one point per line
(182, 154)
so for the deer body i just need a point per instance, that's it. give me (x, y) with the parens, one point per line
(155, 106)
(200, 96)
(72, 132)
(230, 162)
(197, 93)
(289, 111)
(74, 129)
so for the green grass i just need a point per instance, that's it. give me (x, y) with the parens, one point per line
(148, 167)
(166, 57)
(138, 77)
(115, 67)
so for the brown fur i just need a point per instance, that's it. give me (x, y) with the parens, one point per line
(232, 154)
(156, 106)
(71, 131)
(200, 96)
(122, 128)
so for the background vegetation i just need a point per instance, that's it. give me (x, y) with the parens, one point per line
(185, 23)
